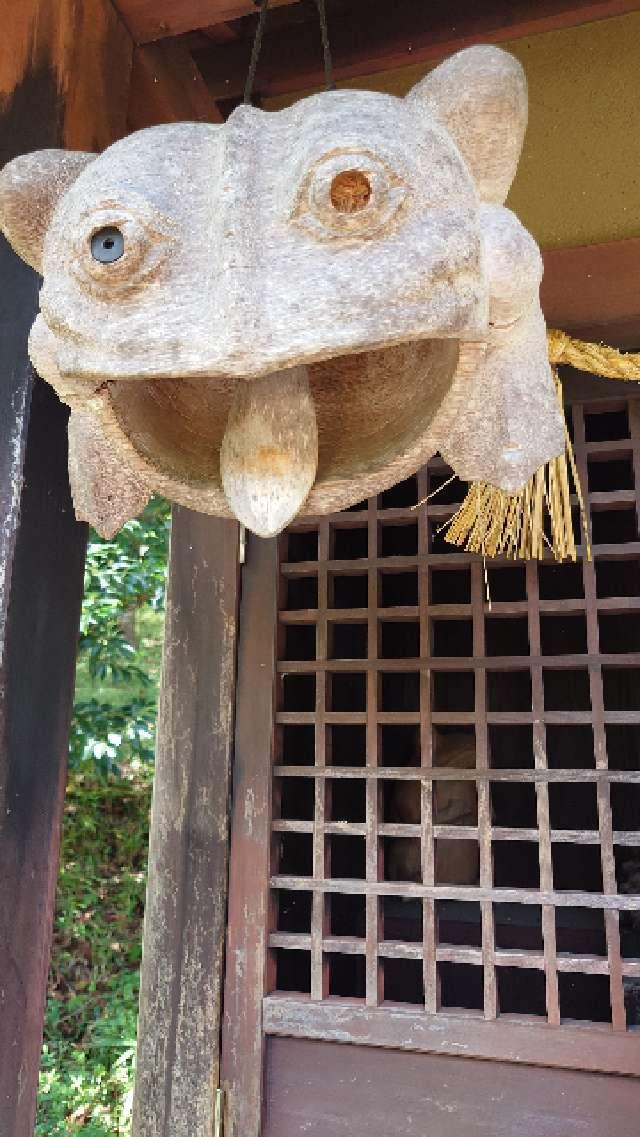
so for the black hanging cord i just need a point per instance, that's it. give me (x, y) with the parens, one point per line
(257, 45)
(326, 49)
(255, 51)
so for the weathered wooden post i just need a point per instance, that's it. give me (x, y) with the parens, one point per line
(185, 917)
(55, 89)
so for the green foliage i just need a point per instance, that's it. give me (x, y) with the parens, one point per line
(119, 648)
(86, 1079)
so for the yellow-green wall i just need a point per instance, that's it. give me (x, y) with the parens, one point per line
(579, 177)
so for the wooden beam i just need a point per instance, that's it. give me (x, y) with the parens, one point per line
(166, 86)
(64, 70)
(185, 915)
(246, 959)
(221, 33)
(367, 38)
(150, 20)
(593, 291)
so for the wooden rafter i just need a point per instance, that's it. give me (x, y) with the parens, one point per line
(366, 36)
(149, 20)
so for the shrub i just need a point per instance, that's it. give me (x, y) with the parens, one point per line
(86, 1080)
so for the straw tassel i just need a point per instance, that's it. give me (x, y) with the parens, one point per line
(539, 517)
(523, 525)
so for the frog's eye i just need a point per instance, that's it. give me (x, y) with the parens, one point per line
(116, 248)
(107, 245)
(350, 191)
(352, 194)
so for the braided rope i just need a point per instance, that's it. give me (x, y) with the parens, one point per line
(598, 358)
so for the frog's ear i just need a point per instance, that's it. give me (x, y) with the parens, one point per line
(30, 187)
(480, 96)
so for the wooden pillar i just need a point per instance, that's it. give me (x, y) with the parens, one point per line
(247, 931)
(62, 65)
(185, 915)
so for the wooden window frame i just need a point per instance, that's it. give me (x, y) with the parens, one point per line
(250, 1018)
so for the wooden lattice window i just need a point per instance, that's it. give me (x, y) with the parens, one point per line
(456, 812)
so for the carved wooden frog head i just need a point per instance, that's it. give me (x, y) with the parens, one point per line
(293, 310)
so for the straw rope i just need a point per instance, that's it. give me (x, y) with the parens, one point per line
(598, 358)
(538, 518)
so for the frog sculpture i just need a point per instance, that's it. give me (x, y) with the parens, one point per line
(293, 310)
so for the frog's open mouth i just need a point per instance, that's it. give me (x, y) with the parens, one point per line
(312, 439)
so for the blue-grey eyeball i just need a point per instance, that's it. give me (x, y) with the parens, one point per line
(107, 245)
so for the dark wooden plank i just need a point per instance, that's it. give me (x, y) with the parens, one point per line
(36, 691)
(522, 1041)
(179, 1026)
(150, 20)
(246, 963)
(18, 304)
(593, 291)
(55, 89)
(367, 38)
(316, 1088)
(166, 86)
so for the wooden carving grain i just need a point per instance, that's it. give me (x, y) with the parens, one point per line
(413, 306)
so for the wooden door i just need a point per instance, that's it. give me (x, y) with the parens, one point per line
(418, 944)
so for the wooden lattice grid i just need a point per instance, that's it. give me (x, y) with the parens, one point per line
(570, 887)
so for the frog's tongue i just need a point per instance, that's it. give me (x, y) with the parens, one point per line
(269, 453)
